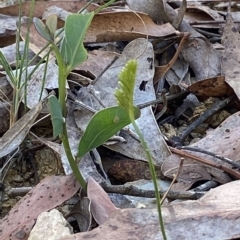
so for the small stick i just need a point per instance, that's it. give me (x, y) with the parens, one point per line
(134, 191)
(205, 161)
(224, 159)
(219, 104)
(173, 181)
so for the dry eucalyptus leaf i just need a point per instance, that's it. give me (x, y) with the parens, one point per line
(101, 205)
(181, 13)
(215, 216)
(125, 26)
(190, 174)
(17, 133)
(155, 9)
(6, 88)
(49, 193)
(212, 87)
(9, 53)
(231, 56)
(224, 140)
(160, 71)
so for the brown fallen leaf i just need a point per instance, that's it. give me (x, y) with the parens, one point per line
(49, 193)
(211, 87)
(129, 26)
(101, 205)
(215, 216)
(4, 116)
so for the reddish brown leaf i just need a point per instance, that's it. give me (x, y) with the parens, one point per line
(49, 193)
(101, 205)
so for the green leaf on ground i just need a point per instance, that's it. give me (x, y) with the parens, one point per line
(103, 125)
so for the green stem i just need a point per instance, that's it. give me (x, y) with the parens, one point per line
(152, 171)
(62, 76)
(73, 164)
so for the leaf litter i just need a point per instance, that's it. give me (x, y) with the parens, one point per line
(182, 55)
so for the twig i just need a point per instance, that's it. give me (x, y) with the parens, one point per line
(227, 160)
(133, 191)
(173, 181)
(219, 104)
(206, 186)
(104, 70)
(161, 100)
(205, 161)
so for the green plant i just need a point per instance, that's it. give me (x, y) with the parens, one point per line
(111, 120)
(104, 123)
(21, 73)
(124, 97)
(70, 54)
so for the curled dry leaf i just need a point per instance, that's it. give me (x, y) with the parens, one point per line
(181, 13)
(81, 212)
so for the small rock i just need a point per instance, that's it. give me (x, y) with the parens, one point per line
(51, 226)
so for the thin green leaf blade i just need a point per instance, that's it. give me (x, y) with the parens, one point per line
(56, 116)
(72, 48)
(103, 125)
